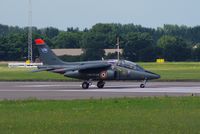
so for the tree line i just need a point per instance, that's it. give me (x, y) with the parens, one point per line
(171, 42)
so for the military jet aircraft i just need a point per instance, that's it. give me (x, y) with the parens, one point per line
(89, 71)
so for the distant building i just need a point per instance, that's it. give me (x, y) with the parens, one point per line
(77, 52)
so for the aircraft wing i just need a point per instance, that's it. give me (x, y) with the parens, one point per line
(80, 68)
(93, 67)
(83, 68)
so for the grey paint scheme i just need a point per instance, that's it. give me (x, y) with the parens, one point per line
(112, 69)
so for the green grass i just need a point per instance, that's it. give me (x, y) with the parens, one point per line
(25, 74)
(171, 71)
(175, 71)
(166, 115)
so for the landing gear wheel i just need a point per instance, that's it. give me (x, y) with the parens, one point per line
(100, 84)
(143, 83)
(142, 86)
(85, 85)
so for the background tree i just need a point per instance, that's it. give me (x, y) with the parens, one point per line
(50, 32)
(137, 45)
(196, 52)
(93, 46)
(13, 47)
(67, 40)
(174, 49)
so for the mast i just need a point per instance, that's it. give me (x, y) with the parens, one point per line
(118, 51)
(30, 51)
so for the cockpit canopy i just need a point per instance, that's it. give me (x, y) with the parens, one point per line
(127, 64)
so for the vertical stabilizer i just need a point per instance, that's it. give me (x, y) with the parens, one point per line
(47, 55)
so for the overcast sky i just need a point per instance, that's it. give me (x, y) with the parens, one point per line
(85, 13)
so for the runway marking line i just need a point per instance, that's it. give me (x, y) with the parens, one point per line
(130, 90)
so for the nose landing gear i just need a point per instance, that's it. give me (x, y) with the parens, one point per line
(143, 84)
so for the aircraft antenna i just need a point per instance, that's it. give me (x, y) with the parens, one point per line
(30, 51)
(118, 51)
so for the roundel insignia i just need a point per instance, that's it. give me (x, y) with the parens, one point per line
(44, 50)
(103, 75)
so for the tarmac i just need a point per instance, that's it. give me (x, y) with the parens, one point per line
(73, 90)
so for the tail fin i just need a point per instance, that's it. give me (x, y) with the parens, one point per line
(46, 54)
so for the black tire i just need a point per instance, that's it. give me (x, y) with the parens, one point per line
(142, 86)
(85, 85)
(100, 84)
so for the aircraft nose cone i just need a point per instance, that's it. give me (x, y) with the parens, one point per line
(151, 75)
(157, 76)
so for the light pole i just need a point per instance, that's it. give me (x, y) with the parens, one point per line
(118, 51)
(30, 51)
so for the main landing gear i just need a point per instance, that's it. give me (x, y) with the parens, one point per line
(100, 84)
(87, 84)
(143, 84)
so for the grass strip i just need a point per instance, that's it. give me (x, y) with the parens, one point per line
(169, 71)
(159, 115)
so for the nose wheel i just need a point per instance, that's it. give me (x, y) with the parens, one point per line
(143, 84)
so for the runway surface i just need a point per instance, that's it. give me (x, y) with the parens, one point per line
(73, 90)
